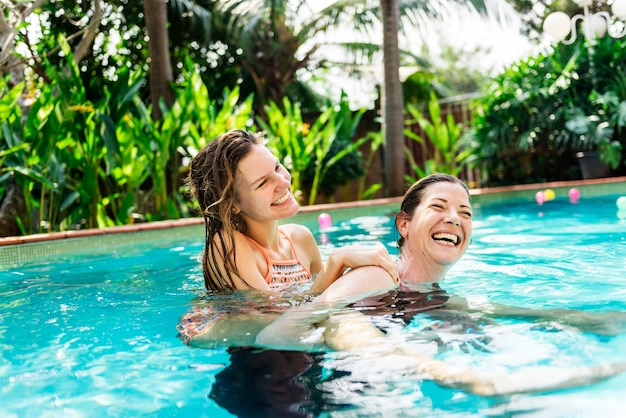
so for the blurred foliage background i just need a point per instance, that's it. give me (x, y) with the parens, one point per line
(103, 103)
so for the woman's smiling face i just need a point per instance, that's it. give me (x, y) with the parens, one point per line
(440, 227)
(263, 187)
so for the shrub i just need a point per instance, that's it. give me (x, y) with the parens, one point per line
(541, 111)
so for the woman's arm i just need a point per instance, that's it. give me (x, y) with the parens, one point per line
(296, 330)
(607, 323)
(353, 332)
(340, 260)
(354, 257)
(600, 323)
(231, 330)
(295, 327)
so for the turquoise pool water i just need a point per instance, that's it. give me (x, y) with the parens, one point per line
(95, 336)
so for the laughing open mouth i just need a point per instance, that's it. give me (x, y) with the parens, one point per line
(451, 238)
(282, 199)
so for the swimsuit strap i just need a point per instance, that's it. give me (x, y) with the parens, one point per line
(293, 251)
(285, 266)
(268, 276)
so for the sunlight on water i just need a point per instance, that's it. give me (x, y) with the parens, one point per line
(96, 336)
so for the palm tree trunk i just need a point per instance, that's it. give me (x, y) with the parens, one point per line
(161, 79)
(155, 12)
(392, 103)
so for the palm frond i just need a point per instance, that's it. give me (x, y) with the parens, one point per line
(194, 15)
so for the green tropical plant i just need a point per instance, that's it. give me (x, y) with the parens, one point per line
(268, 48)
(213, 115)
(275, 40)
(305, 148)
(161, 146)
(126, 118)
(45, 135)
(93, 164)
(292, 140)
(339, 162)
(17, 163)
(594, 134)
(538, 113)
(442, 142)
(375, 140)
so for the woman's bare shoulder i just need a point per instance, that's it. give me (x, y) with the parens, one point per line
(305, 243)
(223, 239)
(296, 232)
(250, 263)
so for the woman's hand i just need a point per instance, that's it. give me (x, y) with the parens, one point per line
(353, 256)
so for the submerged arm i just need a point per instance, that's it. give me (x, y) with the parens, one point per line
(354, 332)
(601, 323)
(295, 329)
(231, 330)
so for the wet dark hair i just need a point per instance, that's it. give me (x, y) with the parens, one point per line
(211, 181)
(415, 194)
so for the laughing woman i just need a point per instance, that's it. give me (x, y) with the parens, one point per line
(244, 191)
(435, 228)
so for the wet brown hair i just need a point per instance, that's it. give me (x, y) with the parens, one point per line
(211, 181)
(415, 194)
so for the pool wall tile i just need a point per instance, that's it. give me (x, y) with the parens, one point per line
(14, 256)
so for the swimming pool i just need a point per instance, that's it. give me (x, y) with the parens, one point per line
(94, 335)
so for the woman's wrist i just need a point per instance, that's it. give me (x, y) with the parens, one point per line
(334, 268)
(336, 263)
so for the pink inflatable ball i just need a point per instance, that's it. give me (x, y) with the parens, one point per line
(325, 221)
(540, 197)
(574, 195)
